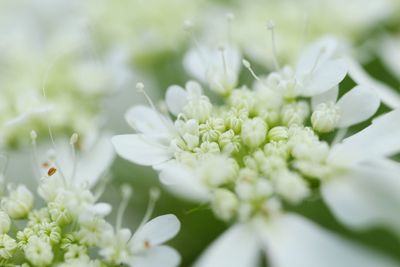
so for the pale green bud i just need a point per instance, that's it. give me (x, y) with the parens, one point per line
(279, 149)
(325, 117)
(224, 204)
(295, 113)
(278, 133)
(254, 132)
(198, 108)
(5, 222)
(7, 246)
(242, 99)
(59, 213)
(229, 142)
(272, 165)
(75, 251)
(290, 186)
(18, 203)
(38, 252)
(216, 170)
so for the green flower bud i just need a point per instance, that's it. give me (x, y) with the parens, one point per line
(325, 117)
(5, 222)
(19, 202)
(254, 132)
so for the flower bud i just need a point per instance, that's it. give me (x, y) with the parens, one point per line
(7, 246)
(198, 108)
(295, 113)
(325, 117)
(224, 204)
(291, 186)
(5, 222)
(254, 132)
(38, 252)
(19, 202)
(278, 133)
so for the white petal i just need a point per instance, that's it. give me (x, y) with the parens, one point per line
(148, 121)
(238, 246)
(328, 75)
(328, 96)
(357, 105)
(141, 149)
(316, 53)
(388, 95)
(367, 196)
(194, 88)
(176, 99)
(196, 64)
(156, 231)
(378, 140)
(101, 209)
(162, 256)
(95, 161)
(183, 182)
(291, 240)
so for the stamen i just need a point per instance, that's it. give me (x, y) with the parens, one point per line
(247, 65)
(188, 27)
(154, 196)
(271, 28)
(33, 135)
(73, 140)
(221, 49)
(229, 18)
(126, 192)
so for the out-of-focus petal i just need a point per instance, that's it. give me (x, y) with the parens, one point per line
(291, 240)
(328, 96)
(238, 246)
(366, 196)
(357, 105)
(176, 99)
(141, 149)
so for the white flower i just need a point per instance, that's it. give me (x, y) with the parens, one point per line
(319, 69)
(144, 247)
(218, 68)
(18, 203)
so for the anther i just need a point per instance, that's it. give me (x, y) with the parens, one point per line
(247, 65)
(74, 139)
(51, 171)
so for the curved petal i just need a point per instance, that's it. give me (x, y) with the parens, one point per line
(329, 96)
(367, 196)
(388, 95)
(182, 182)
(292, 240)
(196, 64)
(317, 52)
(94, 162)
(238, 246)
(176, 99)
(156, 231)
(328, 75)
(155, 257)
(357, 105)
(141, 149)
(378, 140)
(148, 121)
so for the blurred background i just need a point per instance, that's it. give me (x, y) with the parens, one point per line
(74, 64)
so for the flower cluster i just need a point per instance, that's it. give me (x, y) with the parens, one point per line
(262, 149)
(68, 227)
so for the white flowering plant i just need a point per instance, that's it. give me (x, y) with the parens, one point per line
(265, 149)
(67, 225)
